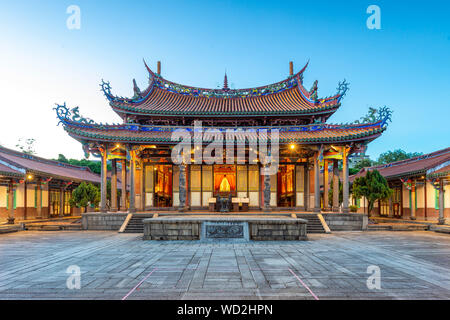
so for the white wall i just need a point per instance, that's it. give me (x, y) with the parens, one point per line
(420, 194)
(45, 196)
(20, 196)
(447, 196)
(405, 197)
(30, 196)
(430, 196)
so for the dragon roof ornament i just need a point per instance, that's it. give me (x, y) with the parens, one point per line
(343, 87)
(73, 116)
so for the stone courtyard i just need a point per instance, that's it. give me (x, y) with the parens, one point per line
(413, 265)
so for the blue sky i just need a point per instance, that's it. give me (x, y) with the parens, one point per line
(405, 65)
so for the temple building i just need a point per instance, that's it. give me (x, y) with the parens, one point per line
(421, 188)
(304, 142)
(32, 187)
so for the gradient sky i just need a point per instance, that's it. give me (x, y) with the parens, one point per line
(405, 65)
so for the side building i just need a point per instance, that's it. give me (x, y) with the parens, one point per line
(421, 188)
(36, 188)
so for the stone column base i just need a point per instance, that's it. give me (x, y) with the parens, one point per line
(412, 218)
(114, 209)
(316, 210)
(345, 210)
(11, 220)
(183, 209)
(335, 209)
(441, 221)
(268, 209)
(365, 221)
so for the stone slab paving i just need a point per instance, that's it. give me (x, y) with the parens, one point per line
(414, 265)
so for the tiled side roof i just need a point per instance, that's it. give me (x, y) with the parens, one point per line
(414, 166)
(49, 167)
(444, 171)
(146, 134)
(10, 172)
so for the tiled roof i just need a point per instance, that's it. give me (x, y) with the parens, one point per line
(8, 171)
(414, 166)
(162, 135)
(442, 172)
(47, 167)
(290, 101)
(163, 97)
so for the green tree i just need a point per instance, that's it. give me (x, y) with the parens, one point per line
(371, 116)
(84, 195)
(94, 166)
(396, 155)
(62, 158)
(26, 145)
(361, 164)
(373, 186)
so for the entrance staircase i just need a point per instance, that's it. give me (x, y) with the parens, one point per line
(314, 225)
(135, 225)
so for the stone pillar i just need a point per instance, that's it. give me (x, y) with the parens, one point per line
(391, 208)
(441, 202)
(142, 187)
(266, 191)
(316, 183)
(335, 185)
(326, 186)
(11, 203)
(39, 200)
(103, 187)
(413, 201)
(61, 202)
(182, 187)
(123, 205)
(307, 206)
(345, 186)
(25, 201)
(114, 186)
(132, 208)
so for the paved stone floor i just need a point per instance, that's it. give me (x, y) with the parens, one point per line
(413, 265)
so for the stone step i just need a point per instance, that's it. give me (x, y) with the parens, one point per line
(314, 224)
(56, 227)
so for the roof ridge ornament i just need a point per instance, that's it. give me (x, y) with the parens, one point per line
(106, 88)
(64, 113)
(343, 87)
(225, 82)
(384, 115)
(136, 90)
(313, 92)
